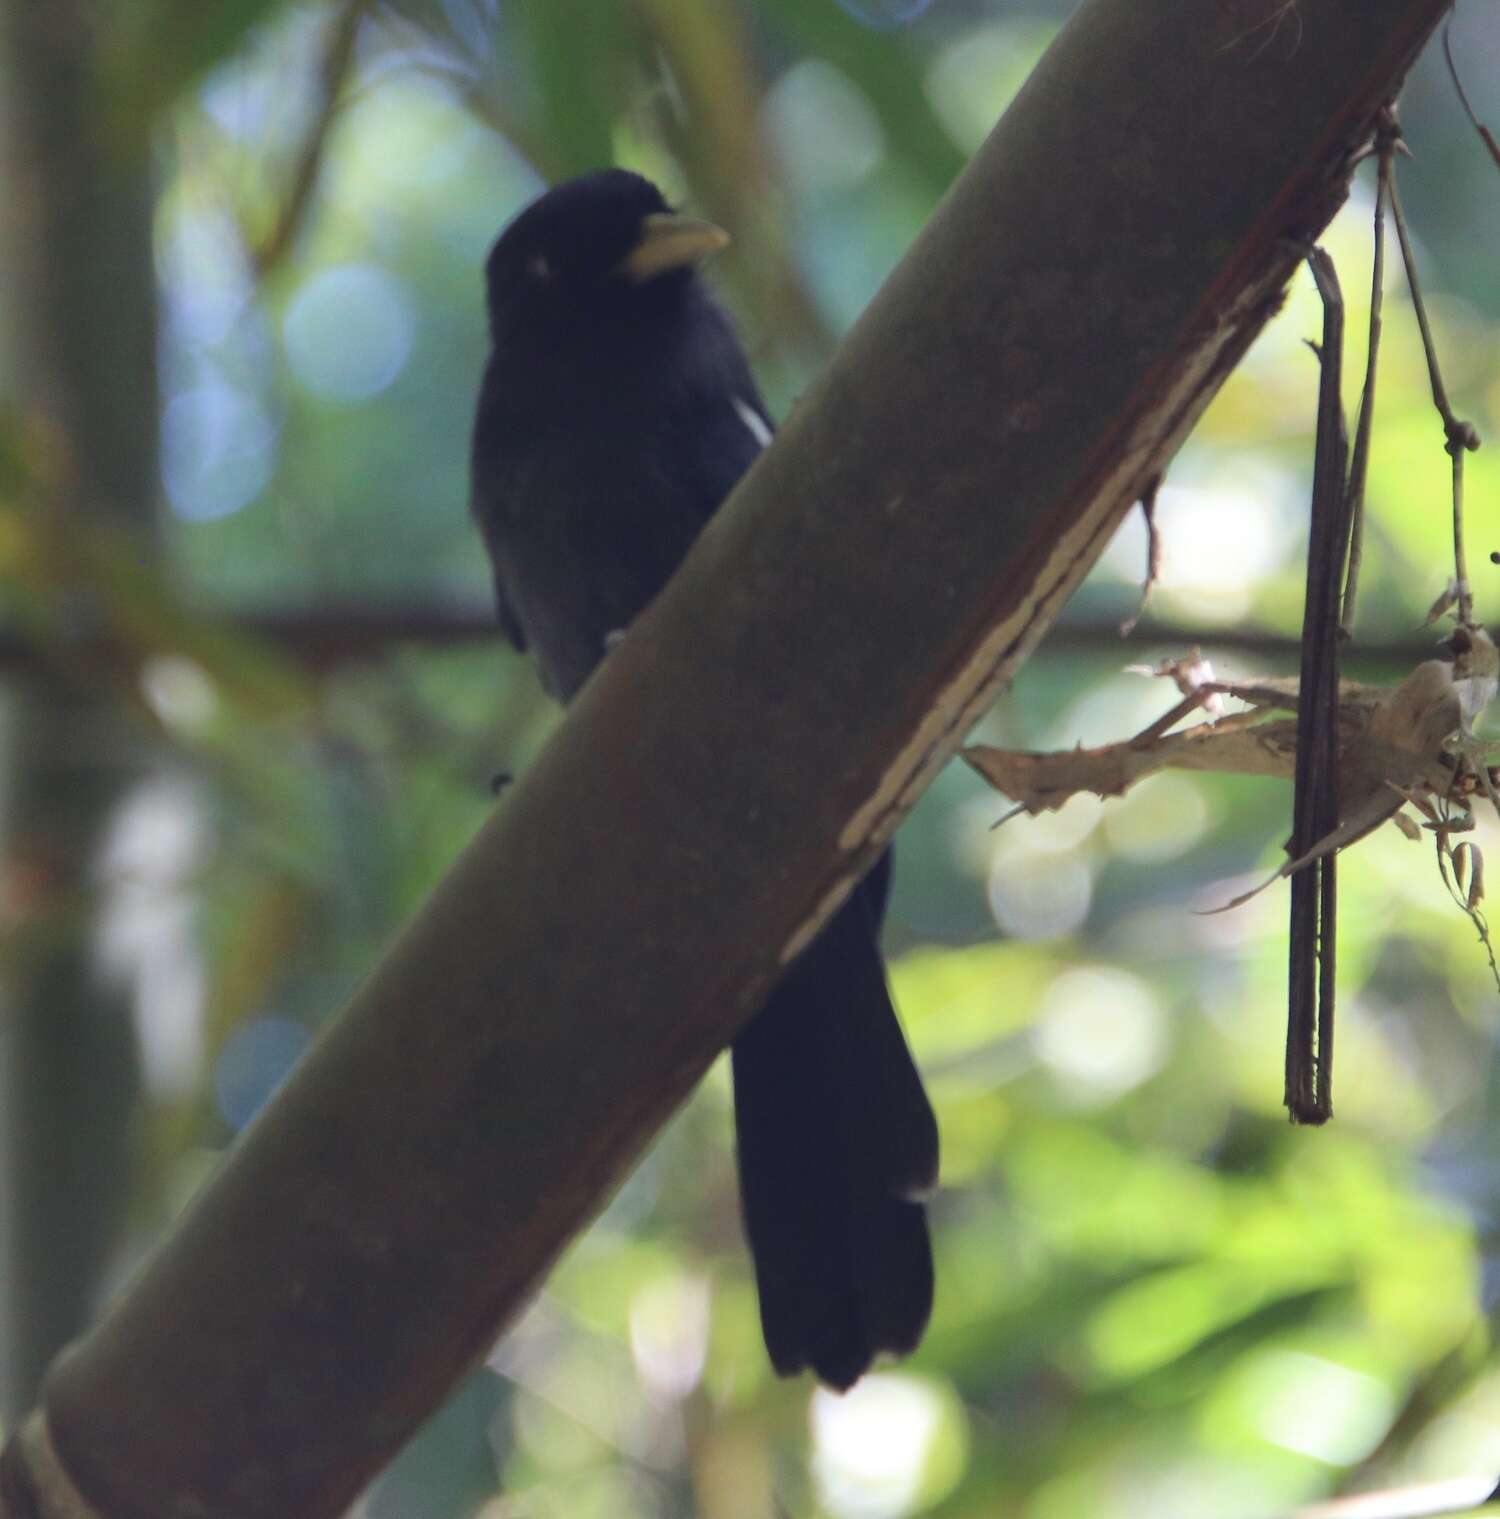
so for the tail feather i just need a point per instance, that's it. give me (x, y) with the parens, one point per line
(836, 1138)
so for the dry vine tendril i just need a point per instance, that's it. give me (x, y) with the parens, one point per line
(1334, 552)
(1356, 754)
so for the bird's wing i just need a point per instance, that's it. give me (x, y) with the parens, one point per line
(722, 439)
(489, 518)
(510, 624)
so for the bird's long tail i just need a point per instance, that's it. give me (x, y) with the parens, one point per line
(837, 1141)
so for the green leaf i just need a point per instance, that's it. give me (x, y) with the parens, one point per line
(578, 63)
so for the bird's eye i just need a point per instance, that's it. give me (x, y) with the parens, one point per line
(538, 267)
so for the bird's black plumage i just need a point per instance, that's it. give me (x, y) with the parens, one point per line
(617, 411)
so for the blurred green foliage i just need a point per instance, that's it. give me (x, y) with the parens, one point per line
(1154, 1295)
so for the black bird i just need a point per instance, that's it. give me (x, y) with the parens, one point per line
(616, 413)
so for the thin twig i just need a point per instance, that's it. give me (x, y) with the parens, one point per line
(1459, 1495)
(1460, 560)
(333, 69)
(1387, 135)
(1485, 135)
(1192, 702)
(1465, 900)
(1460, 436)
(1153, 555)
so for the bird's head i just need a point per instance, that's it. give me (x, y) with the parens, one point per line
(605, 244)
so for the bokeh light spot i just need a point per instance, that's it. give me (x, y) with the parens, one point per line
(1037, 896)
(1220, 540)
(1158, 819)
(972, 79)
(180, 692)
(821, 127)
(1317, 1407)
(669, 1320)
(1101, 1032)
(874, 1446)
(206, 283)
(218, 450)
(349, 331)
(885, 15)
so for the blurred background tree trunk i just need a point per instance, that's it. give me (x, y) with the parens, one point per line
(80, 373)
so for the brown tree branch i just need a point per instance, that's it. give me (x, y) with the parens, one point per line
(268, 251)
(325, 639)
(754, 740)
